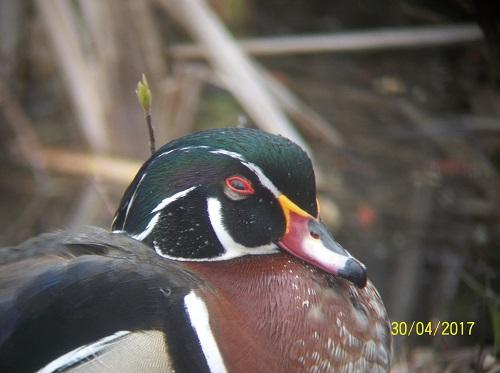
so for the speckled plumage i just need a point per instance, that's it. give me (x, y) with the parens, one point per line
(314, 323)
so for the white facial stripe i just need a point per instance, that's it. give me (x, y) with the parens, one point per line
(261, 250)
(200, 321)
(131, 201)
(233, 248)
(172, 198)
(264, 180)
(142, 235)
(154, 220)
(182, 149)
(228, 153)
(82, 353)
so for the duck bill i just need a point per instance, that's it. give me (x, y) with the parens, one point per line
(308, 239)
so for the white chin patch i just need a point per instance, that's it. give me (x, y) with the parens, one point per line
(232, 248)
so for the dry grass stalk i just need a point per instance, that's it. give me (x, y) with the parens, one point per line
(60, 20)
(355, 41)
(238, 73)
(110, 169)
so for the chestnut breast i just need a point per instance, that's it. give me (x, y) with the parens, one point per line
(276, 313)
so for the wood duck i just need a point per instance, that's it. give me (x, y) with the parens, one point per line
(217, 262)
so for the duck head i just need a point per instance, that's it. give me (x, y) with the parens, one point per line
(224, 193)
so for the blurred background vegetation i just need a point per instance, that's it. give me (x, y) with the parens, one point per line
(398, 102)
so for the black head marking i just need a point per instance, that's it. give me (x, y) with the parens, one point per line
(166, 204)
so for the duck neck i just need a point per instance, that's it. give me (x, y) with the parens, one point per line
(260, 298)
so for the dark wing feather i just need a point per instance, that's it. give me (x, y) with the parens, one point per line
(64, 290)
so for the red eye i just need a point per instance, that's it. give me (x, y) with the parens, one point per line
(239, 185)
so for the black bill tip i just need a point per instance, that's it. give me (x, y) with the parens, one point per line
(353, 271)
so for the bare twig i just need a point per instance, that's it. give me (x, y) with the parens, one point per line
(355, 41)
(151, 132)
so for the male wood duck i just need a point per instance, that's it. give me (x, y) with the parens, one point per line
(217, 262)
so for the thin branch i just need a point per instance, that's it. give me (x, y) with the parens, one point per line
(355, 41)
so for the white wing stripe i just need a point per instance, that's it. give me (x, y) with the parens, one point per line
(81, 353)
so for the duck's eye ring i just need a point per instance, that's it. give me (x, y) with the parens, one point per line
(240, 185)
